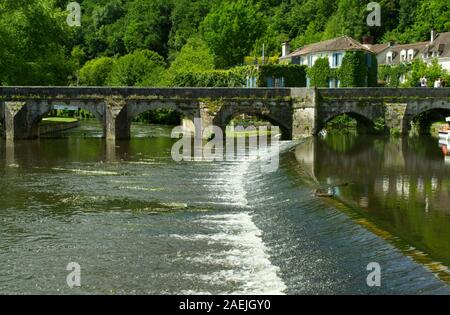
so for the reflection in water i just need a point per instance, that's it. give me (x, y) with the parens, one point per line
(402, 185)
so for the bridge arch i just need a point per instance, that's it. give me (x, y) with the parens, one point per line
(37, 111)
(275, 114)
(224, 121)
(137, 108)
(422, 117)
(134, 109)
(365, 124)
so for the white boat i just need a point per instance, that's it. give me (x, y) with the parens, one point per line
(444, 133)
(445, 147)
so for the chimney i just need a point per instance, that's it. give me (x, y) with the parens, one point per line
(367, 40)
(433, 36)
(285, 49)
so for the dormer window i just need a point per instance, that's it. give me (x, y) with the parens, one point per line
(403, 55)
(389, 57)
(411, 54)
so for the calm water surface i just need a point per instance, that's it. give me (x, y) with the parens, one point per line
(137, 222)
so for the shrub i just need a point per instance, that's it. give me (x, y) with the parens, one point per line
(353, 72)
(140, 68)
(319, 73)
(294, 75)
(95, 72)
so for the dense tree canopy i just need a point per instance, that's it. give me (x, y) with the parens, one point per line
(39, 48)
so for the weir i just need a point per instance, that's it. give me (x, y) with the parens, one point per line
(299, 112)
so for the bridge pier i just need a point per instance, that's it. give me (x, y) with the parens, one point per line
(304, 112)
(11, 109)
(395, 118)
(116, 124)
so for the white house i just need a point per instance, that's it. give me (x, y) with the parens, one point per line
(438, 47)
(333, 49)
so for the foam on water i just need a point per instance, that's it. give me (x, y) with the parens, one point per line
(247, 261)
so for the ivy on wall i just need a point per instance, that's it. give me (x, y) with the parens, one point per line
(372, 71)
(294, 75)
(389, 75)
(353, 72)
(319, 74)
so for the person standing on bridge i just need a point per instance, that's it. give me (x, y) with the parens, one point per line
(438, 83)
(423, 82)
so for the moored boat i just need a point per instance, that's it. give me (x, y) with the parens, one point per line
(444, 133)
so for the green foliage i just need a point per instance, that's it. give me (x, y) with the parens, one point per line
(160, 116)
(39, 48)
(230, 31)
(96, 71)
(185, 18)
(390, 74)
(342, 123)
(148, 26)
(235, 77)
(319, 73)
(379, 125)
(33, 38)
(194, 56)
(141, 68)
(294, 75)
(419, 69)
(353, 72)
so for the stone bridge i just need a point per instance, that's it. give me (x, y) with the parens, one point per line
(22, 108)
(299, 112)
(398, 109)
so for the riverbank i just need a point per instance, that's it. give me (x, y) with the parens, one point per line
(56, 124)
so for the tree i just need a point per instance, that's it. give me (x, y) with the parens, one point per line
(353, 71)
(141, 68)
(230, 31)
(34, 36)
(194, 57)
(148, 26)
(186, 17)
(319, 73)
(432, 72)
(96, 71)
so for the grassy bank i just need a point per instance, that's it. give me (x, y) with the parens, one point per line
(58, 120)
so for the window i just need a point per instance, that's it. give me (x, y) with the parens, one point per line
(310, 61)
(337, 60)
(279, 83)
(334, 83)
(369, 60)
(403, 55)
(410, 54)
(389, 57)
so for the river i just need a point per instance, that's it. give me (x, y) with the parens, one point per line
(139, 223)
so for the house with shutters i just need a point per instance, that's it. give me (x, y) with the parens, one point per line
(438, 47)
(333, 49)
